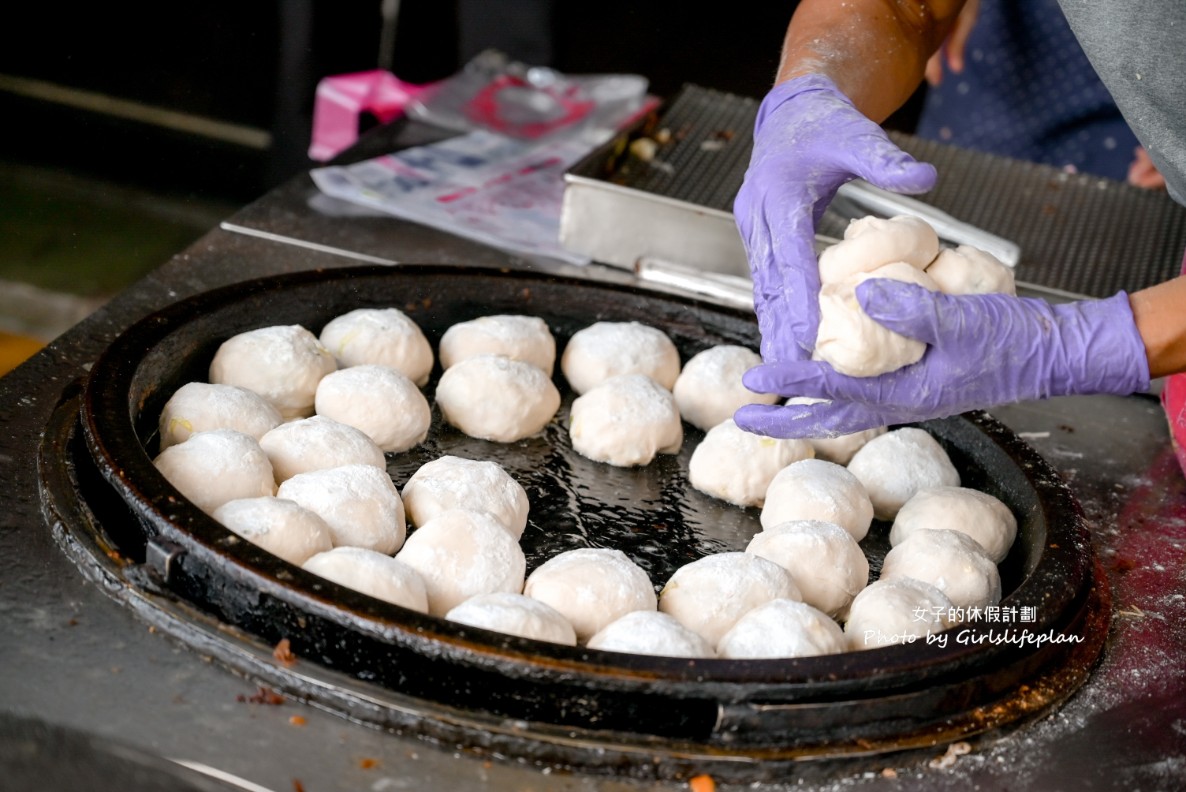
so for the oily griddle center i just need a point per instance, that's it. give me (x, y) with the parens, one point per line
(872, 698)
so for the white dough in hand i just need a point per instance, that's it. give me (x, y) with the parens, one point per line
(969, 270)
(872, 242)
(852, 342)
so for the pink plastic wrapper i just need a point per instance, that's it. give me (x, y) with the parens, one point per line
(341, 100)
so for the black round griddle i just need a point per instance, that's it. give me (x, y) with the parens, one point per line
(598, 710)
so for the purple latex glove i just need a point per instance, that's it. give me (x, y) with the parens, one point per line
(985, 349)
(808, 140)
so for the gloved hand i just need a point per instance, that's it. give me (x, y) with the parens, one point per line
(808, 140)
(985, 350)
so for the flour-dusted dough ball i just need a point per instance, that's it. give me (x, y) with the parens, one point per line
(782, 628)
(709, 389)
(382, 337)
(898, 464)
(852, 342)
(372, 573)
(897, 611)
(737, 466)
(969, 270)
(609, 349)
(950, 561)
(514, 614)
(978, 514)
(650, 633)
(282, 527)
(214, 467)
(710, 594)
(592, 587)
(524, 338)
(378, 401)
(461, 554)
(826, 563)
(451, 482)
(359, 503)
(496, 398)
(813, 489)
(872, 242)
(316, 443)
(283, 364)
(625, 421)
(200, 406)
(841, 449)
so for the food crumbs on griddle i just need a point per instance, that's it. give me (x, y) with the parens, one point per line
(72, 622)
(297, 786)
(426, 302)
(702, 783)
(889, 772)
(1124, 565)
(366, 763)
(262, 695)
(283, 653)
(1067, 428)
(724, 134)
(525, 293)
(297, 720)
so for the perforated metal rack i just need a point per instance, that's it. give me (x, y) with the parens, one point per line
(1055, 217)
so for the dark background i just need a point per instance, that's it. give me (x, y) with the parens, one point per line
(257, 64)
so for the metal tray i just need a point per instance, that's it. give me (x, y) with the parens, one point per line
(601, 711)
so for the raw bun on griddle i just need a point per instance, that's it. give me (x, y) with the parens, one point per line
(461, 554)
(211, 468)
(609, 349)
(896, 611)
(650, 633)
(782, 628)
(896, 465)
(591, 587)
(495, 398)
(283, 364)
(372, 573)
(282, 527)
(978, 514)
(201, 406)
(378, 401)
(823, 559)
(813, 489)
(523, 338)
(710, 594)
(625, 421)
(359, 503)
(382, 337)
(709, 388)
(969, 270)
(317, 443)
(451, 482)
(514, 614)
(841, 448)
(853, 343)
(951, 561)
(872, 242)
(737, 466)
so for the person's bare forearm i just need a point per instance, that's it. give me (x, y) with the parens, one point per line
(875, 51)
(1160, 313)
